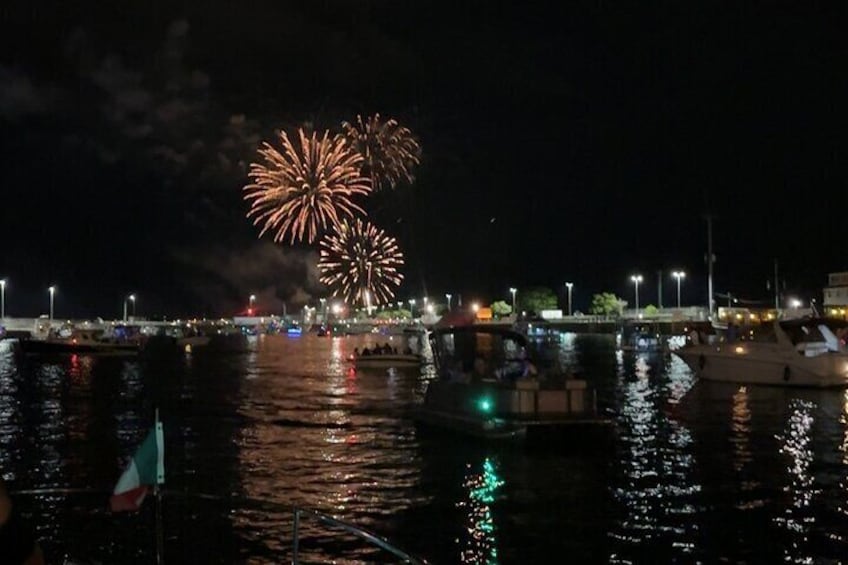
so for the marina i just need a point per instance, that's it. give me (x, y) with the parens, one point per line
(377, 282)
(695, 471)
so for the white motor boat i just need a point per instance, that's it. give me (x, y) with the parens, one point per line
(808, 352)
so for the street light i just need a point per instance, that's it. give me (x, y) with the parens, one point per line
(52, 291)
(323, 302)
(2, 299)
(449, 296)
(513, 290)
(636, 280)
(678, 275)
(569, 286)
(131, 298)
(412, 307)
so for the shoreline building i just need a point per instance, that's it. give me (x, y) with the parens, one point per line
(836, 294)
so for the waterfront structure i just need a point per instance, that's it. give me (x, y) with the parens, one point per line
(836, 294)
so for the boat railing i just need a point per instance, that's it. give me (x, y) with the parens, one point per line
(298, 514)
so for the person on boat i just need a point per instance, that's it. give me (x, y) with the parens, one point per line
(479, 370)
(356, 352)
(520, 368)
(454, 373)
(366, 351)
(731, 332)
(17, 541)
(387, 349)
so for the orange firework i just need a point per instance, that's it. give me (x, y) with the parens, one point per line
(303, 191)
(360, 263)
(390, 151)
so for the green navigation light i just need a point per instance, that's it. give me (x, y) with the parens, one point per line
(485, 405)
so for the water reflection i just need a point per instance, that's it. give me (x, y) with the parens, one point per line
(481, 484)
(795, 443)
(657, 488)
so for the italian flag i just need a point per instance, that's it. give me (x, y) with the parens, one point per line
(146, 468)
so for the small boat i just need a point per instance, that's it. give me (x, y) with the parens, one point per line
(79, 341)
(642, 337)
(807, 352)
(386, 360)
(490, 384)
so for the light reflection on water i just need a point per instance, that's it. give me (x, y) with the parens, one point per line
(698, 471)
(482, 484)
(658, 488)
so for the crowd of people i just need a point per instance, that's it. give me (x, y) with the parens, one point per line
(378, 349)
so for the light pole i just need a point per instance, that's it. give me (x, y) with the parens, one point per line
(678, 275)
(323, 302)
(513, 290)
(2, 299)
(251, 301)
(449, 296)
(412, 308)
(636, 280)
(130, 298)
(569, 286)
(52, 291)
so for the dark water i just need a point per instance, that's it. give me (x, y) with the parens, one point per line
(697, 473)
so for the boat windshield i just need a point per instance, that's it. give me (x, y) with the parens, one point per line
(831, 332)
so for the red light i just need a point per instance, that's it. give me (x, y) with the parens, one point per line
(250, 311)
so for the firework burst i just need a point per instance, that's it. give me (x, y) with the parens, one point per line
(389, 150)
(360, 263)
(302, 191)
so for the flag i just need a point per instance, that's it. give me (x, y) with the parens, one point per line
(146, 468)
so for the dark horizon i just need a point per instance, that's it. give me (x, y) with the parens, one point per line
(585, 147)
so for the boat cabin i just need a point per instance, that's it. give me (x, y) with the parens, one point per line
(483, 354)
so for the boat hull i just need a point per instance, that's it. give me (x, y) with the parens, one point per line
(775, 366)
(385, 360)
(466, 425)
(494, 411)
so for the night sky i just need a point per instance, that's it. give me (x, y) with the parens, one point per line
(575, 142)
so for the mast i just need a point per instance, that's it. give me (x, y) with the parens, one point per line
(710, 260)
(776, 291)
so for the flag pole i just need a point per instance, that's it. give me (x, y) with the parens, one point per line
(157, 497)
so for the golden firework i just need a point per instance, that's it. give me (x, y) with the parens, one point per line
(303, 191)
(389, 150)
(361, 263)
